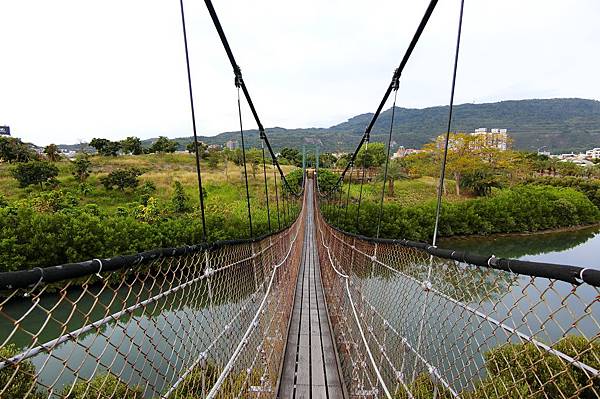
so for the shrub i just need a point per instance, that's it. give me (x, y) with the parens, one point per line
(516, 210)
(21, 377)
(102, 386)
(327, 181)
(179, 200)
(122, 179)
(54, 201)
(35, 172)
(523, 370)
(81, 168)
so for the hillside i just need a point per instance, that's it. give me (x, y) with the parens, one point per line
(566, 124)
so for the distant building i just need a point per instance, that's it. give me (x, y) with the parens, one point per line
(4, 130)
(215, 147)
(594, 153)
(401, 152)
(231, 145)
(495, 138)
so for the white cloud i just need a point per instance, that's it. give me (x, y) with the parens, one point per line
(76, 69)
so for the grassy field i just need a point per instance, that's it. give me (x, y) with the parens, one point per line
(406, 191)
(224, 186)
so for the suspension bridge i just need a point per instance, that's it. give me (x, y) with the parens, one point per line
(306, 311)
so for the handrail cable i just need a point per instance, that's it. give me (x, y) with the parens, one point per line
(396, 76)
(447, 139)
(244, 156)
(189, 76)
(387, 158)
(238, 76)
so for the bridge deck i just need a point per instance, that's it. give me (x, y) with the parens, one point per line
(310, 368)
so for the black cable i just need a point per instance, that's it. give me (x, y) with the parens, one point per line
(396, 76)
(244, 160)
(189, 76)
(443, 171)
(348, 196)
(387, 160)
(277, 198)
(362, 181)
(266, 187)
(238, 76)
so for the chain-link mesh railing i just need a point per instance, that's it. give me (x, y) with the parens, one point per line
(204, 321)
(414, 321)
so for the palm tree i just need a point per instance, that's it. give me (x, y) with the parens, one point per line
(396, 170)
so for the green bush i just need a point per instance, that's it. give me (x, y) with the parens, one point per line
(21, 377)
(121, 179)
(327, 181)
(523, 370)
(590, 187)
(517, 210)
(101, 386)
(35, 172)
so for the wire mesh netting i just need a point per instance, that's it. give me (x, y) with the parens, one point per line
(412, 325)
(211, 322)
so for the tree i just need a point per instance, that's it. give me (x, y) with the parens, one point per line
(373, 157)
(292, 155)
(213, 157)
(179, 200)
(202, 148)
(81, 167)
(327, 160)
(106, 147)
(396, 170)
(52, 152)
(36, 172)
(163, 145)
(132, 145)
(254, 157)
(122, 179)
(14, 150)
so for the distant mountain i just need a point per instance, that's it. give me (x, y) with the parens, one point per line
(562, 124)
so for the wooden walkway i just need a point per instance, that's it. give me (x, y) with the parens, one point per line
(310, 368)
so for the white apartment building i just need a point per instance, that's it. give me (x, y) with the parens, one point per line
(594, 153)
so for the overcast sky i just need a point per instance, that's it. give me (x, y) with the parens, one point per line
(71, 70)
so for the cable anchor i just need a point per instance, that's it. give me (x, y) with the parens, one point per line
(396, 80)
(238, 76)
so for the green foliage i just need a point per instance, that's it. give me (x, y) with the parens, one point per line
(102, 386)
(35, 172)
(516, 210)
(590, 187)
(202, 149)
(327, 181)
(150, 212)
(52, 152)
(179, 200)
(163, 145)
(3, 201)
(106, 147)
(122, 179)
(523, 370)
(54, 201)
(22, 378)
(480, 181)
(81, 167)
(14, 150)
(423, 387)
(146, 191)
(213, 158)
(294, 179)
(374, 156)
(292, 155)
(132, 145)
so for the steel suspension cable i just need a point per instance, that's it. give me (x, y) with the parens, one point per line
(277, 198)
(397, 73)
(348, 196)
(387, 159)
(244, 158)
(266, 186)
(189, 76)
(447, 139)
(362, 181)
(238, 75)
